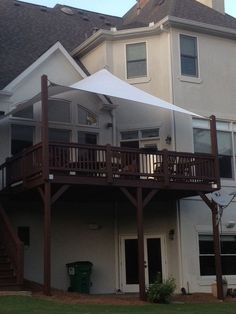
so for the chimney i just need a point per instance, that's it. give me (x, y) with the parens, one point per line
(142, 3)
(218, 5)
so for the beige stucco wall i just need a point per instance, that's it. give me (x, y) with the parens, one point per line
(214, 92)
(72, 239)
(196, 219)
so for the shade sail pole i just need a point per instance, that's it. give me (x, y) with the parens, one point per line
(47, 187)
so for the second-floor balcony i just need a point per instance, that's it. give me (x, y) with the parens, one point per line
(107, 165)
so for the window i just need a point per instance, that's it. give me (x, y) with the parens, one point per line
(59, 110)
(59, 135)
(24, 235)
(86, 117)
(136, 60)
(207, 258)
(21, 137)
(87, 138)
(140, 138)
(226, 147)
(188, 54)
(26, 113)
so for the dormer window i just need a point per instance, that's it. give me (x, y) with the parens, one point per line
(85, 117)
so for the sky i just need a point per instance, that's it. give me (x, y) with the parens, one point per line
(112, 7)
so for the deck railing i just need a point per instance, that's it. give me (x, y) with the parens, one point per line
(13, 246)
(112, 163)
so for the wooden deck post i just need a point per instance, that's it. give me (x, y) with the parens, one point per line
(214, 149)
(47, 187)
(141, 270)
(217, 250)
(216, 240)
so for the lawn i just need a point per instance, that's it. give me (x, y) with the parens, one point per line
(30, 305)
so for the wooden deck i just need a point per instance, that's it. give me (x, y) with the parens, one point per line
(113, 166)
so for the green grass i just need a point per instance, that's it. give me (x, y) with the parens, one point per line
(28, 305)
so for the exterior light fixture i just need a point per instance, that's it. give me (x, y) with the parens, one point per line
(171, 234)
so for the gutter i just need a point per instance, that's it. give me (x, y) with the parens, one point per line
(153, 29)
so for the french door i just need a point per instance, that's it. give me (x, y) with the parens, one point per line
(154, 261)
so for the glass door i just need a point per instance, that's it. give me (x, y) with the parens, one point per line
(153, 246)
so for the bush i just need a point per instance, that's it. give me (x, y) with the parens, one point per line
(161, 292)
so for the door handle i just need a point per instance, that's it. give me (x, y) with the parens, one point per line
(145, 264)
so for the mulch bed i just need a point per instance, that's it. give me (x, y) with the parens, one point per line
(124, 299)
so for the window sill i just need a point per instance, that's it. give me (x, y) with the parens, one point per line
(190, 79)
(138, 80)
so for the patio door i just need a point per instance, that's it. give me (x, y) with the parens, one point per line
(154, 261)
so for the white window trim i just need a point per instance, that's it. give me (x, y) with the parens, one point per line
(189, 78)
(141, 79)
(231, 129)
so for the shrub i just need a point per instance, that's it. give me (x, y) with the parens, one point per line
(161, 292)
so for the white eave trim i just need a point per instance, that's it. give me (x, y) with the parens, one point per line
(204, 27)
(102, 35)
(168, 21)
(39, 61)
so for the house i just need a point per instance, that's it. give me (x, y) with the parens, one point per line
(109, 159)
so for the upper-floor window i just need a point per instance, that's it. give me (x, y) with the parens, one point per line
(226, 132)
(188, 55)
(136, 58)
(21, 137)
(85, 117)
(59, 110)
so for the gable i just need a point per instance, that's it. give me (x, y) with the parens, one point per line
(56, 63)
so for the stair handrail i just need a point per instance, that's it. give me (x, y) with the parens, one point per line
(13, 245)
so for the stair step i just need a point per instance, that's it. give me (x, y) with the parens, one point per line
(4, 259)
(2, 251)
(10, 287)
(6, 272)
(6, 280)
(5, 265)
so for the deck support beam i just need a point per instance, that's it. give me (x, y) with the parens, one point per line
(141, 262)
(216, 239)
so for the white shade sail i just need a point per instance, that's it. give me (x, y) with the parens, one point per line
(104, 83)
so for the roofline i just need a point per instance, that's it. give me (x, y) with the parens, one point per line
(39, 61)
(202, 27)
(168, 21)
(114, 34)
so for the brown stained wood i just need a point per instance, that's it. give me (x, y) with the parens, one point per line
(115, 166)
(41, 192)
(216, 240)
(59, 193)
(149, 197)
(132, 199)
(214, 149)
(45, 146)
(47, 239)
(14, 247)
(140, 233)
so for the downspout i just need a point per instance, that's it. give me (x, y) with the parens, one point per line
(113, 118)
(173, 135)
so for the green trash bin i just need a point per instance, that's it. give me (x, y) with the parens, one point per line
(79, 273)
